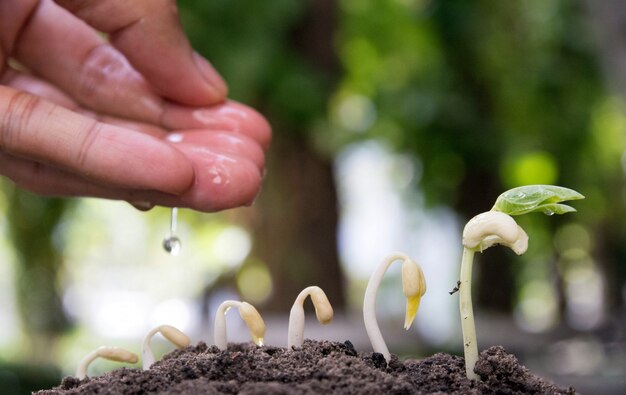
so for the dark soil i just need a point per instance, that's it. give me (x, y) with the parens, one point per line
(316, 368)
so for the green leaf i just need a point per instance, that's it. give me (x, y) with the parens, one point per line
(533, 198)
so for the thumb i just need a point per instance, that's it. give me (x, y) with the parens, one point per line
(149, 34)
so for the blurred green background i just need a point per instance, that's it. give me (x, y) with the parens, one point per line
(394, 123)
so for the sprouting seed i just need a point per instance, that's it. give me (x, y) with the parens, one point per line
(498, 227)
(414, 287)
(175, 336)
(250, 316)
(323, 311)
(480, 233)
(110, 353)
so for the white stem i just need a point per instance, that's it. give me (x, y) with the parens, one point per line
(110, 353)
(323, 309)
(81, 371)
(170, 333)
(468, 327)
(295, 334)
(369, 305)
(219, 327)
(147, 355)
(481, 232)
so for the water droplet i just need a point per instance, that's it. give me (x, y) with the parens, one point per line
(548, 212)
(172, 245)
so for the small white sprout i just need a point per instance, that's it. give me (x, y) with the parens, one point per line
(110, 353)
(248, 313)
(323, 311)
(481, 232)
(175, 336)
(414, 287)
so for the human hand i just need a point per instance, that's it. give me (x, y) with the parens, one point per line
(139, 117)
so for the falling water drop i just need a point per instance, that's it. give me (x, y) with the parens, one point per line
(548, 212)
(171, 243)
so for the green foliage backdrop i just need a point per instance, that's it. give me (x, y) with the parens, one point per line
(485, 94)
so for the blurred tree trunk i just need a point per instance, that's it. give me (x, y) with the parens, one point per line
(32, 223)
(493, 272)
(480, 185)
(296, 230)
(296, 227)
(609, 19)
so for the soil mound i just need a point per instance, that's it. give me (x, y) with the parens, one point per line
(315, 368)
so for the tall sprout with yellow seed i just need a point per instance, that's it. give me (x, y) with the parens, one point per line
(250, 316)
(323, 311)
(110, 353)
(414, 287)
(498, 227)
(173, 335)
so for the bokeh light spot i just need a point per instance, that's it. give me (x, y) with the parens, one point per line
(254, 283)
(535, 167)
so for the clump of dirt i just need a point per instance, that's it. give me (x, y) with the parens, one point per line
(316, 367)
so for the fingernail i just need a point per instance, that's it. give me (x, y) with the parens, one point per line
(142, 205)
(210, 75)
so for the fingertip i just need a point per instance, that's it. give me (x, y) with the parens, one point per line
(250, 121)
(217, 88)
(223, 142)
(229, 116)
(222, 181)
(215, 192)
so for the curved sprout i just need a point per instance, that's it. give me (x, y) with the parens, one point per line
(110, 353)
(323, 311)
(176, 337)
(498, 227)
(480, 233)
(248, 313)
(414, 287)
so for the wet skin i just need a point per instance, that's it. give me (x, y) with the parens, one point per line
(139, 117)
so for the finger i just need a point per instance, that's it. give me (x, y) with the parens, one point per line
(240, 188)
(39, 130)
(221, 180)
(222, 142)
(33, 85)
(49, 181)
(149, 34)
(230, 116)
(63, 50)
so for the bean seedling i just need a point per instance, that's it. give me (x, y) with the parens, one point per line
(498, 227)
(176, 337)
(323, 311)
(250, 316)
(110, 353)
(414, 287)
